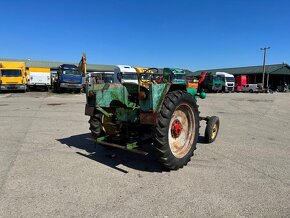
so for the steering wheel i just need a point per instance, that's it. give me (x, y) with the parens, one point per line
(151, 69)
(152, 72)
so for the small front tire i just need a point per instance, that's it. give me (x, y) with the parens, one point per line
(212, 129)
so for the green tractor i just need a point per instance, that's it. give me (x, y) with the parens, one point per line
(127, 115)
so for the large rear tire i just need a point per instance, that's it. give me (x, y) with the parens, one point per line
(96, 125)
(177, 130)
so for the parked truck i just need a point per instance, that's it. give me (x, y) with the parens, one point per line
(69, 77)
(38, 77)
(240, 82)
(213, 83)
(126, 73)
(12, 76)
(228, 81)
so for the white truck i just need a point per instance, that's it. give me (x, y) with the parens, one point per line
(228, 81)
(38, 77)
(127, 74)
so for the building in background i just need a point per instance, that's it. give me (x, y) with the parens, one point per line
(279, 74)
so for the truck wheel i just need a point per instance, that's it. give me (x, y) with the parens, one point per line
(251, 91)
(177, 130)
(96, 126)
(212, 129)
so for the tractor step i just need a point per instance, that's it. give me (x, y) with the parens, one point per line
(129, 147)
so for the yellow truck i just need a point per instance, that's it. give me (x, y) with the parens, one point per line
(38, 77)
(12, 76)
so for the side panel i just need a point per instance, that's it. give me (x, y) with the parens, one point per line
(39, 78)
(158, 93)
(111, 95)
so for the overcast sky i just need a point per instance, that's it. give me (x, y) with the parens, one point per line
(155, 33)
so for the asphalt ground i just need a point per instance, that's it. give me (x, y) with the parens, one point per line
(50, 168)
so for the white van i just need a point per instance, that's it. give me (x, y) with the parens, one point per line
(251, 88)
(129, 74)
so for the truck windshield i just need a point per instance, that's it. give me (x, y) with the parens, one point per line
(230, 79)
(130, 76)
(146, 76)
(179, 76)
(217, 78)
(108, 78)
(10, 73)
(71, 72)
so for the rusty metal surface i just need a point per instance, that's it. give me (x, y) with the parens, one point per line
(89, 110)
(181, 143)
(126, 115)
(148, 118)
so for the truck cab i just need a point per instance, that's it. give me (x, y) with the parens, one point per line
(213, 83)
(69, 77)
(175, 76)
(12, 76)
(240, 83)
(228, 81)
(127, 74)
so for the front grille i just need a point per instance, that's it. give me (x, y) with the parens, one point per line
(71, 81)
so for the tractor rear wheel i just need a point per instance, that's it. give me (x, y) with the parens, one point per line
(96, 125)
(177, 130)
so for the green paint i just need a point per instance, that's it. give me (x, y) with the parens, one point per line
(126, 115)
(192, 91)
(112, 95)
(213, 82)
(202, 95)
(158, 92)
(131, 146)
(174, 76)
(101, 139)
(104, 112)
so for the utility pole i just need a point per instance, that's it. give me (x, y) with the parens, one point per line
(264, 67)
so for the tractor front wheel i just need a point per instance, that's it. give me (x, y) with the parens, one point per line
(177, 130)
(212, 129)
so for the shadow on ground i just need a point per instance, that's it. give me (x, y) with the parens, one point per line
(114, 157)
